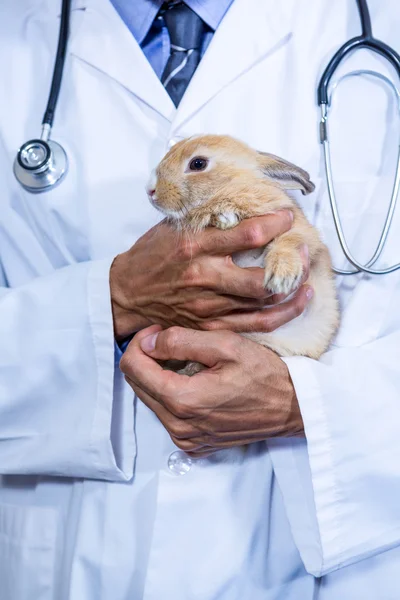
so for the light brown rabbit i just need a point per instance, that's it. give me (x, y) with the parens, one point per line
(219, 181)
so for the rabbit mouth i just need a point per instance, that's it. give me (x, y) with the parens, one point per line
(152, 196)
(173, 215)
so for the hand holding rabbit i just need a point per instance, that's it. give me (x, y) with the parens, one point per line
(173, 279)
(245, 395)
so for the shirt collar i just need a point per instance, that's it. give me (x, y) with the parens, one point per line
(210, 11)
(139, 15)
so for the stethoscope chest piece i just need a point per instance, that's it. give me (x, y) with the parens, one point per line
(40, 165)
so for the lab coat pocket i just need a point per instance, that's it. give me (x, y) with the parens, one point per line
(27, 552)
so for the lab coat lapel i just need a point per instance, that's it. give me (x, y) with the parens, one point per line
(250, 31)
(101, 39)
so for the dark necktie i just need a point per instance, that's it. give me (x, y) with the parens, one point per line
(186, 30)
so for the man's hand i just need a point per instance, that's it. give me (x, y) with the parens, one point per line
(245, 395)
(173, 278)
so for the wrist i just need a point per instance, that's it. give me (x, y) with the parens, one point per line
(126, 321)
(294, 425)
(289, 421)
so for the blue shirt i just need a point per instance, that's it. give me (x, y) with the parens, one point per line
(152, 35)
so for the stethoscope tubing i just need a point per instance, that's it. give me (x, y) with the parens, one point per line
(367, 41)
(356, 43)
(59, 63)
(366, 268)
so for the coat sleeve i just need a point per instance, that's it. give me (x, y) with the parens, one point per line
(341, 488)
(63, 407)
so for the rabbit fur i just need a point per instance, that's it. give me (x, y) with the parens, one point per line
(238, 182)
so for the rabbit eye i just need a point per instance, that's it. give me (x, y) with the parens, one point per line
(198, 164)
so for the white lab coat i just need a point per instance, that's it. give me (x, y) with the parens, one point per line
(89, 509)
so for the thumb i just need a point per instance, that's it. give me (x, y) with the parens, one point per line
(178, 343)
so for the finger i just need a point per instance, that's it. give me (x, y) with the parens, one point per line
(200, 446)
(188, 438)
(176, 427)
(228, 278)
(218, 306)
(195, 435)
(224, 277)
(250, 233)
(189, 446)
(266, 320)
(177, 343)
(145, 372)
(145, 332)
(249, 282)
(237, 281)
(207, 450)
(276, 299)
(201, 453)
(158, 409)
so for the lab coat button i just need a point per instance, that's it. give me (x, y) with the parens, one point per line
(179, 463)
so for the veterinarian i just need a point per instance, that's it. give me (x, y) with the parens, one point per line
(140, 488)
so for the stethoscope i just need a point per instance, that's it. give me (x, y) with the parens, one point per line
(365, 40)
(41, 164)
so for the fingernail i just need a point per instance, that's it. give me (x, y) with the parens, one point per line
(149, 343)
(309, 293)
(283, 211)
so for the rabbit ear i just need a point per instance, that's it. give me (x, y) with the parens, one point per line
(285, 173)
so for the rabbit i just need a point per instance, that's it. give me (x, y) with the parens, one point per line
(217, 180)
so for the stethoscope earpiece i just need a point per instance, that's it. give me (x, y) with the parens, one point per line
(40, 166)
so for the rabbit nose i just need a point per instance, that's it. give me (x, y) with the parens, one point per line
(151, 185)
(151, 192)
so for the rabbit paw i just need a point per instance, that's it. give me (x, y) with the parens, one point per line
(191, 368)
(283, 271)
(225, 220)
